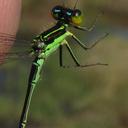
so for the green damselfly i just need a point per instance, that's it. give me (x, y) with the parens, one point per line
(46, 43)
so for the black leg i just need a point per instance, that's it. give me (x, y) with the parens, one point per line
(60, 56)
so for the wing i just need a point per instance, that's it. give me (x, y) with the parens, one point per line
(7, 38)
(12, 48)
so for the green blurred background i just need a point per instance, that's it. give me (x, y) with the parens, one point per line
(72, 98)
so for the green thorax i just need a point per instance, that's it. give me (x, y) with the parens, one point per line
(51, 39)
(53, 33)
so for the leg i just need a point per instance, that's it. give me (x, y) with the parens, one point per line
(72, 54)
(84, 46)
(60, 56)
(76, 60)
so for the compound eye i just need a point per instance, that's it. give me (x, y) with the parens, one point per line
(77, 13)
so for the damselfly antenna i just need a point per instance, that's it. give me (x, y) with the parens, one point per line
(75, 4)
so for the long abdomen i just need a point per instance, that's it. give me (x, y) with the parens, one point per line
(33, 79)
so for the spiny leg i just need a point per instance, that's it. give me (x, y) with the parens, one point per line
(93, 44)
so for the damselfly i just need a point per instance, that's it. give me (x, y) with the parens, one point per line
(46, 43)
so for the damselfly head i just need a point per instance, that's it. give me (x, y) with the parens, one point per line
(67, 15)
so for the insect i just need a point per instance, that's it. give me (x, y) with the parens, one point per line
(49, 41)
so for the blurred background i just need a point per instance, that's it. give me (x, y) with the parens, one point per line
(93, 97)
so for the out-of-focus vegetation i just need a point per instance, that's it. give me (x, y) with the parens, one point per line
(72, 98)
